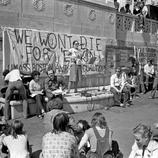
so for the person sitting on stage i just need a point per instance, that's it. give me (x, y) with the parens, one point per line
(118, 88)
(132, 83)
(75, 66)
(36, 90)
(15, 83)
(53, 89)
(149, 74)
(144, 146)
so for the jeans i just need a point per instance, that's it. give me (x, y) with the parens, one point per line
(122, 97)
(16, 85)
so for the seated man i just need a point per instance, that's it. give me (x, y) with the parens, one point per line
(53, 89)
(149, 74)
(118, 88)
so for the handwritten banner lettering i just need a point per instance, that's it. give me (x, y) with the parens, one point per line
(39, 50)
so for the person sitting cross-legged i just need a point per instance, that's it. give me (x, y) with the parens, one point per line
(119, 89)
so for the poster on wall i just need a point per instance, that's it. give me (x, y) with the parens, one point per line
(118, 56)
(39, 50)
(147, 53)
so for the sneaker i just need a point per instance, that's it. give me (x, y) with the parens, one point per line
(150, 97)
(40, 116)
(122, 105)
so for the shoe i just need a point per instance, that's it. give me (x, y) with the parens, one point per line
(43, 114)
(40, 116)
(122, 105)
(151, 97)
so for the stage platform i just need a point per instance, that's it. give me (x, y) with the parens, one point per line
(95, 98)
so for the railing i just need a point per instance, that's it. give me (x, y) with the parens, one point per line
(126, 22)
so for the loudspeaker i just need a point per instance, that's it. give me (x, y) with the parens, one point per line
(152, 12)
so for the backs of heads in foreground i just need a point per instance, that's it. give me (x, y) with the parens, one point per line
(17, 128)
(60, 122)
(144, 130)
(98, 119)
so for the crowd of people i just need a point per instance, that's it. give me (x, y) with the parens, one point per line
(70, 139)
(136, 79)
(139, 8)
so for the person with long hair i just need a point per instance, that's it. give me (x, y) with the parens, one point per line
(59, 143)
(36, 89)
(144, 146)
(17, 141)
(99, 137)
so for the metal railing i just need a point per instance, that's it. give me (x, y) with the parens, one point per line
(131, 23)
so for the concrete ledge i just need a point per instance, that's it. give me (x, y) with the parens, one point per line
(16, 109)
(78, 103)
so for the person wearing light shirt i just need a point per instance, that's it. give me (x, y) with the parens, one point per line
(15, 82)
(149, 74)
(144, 146)
(118, 88)
(75, 66)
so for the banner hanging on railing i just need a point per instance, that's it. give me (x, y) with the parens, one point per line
(39, 50)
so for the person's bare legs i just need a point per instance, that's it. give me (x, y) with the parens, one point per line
(75, 86)
(69, 86)
(25, 108)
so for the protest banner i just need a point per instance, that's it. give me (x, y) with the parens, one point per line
(39, 50)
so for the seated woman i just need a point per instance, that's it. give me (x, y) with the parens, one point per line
(144, 146)
(36, 90)
(55, 98)
(99, 137)
(17, 141)
(59, 143)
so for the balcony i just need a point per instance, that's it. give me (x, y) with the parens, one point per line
(130, 23)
